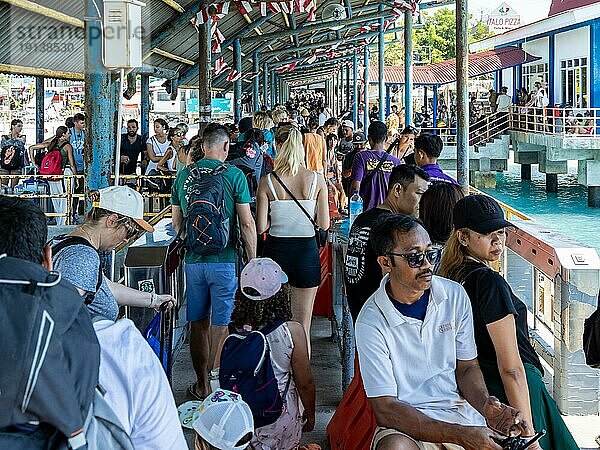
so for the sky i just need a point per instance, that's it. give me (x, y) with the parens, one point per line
(530, 10)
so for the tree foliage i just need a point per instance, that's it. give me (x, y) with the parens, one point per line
(436, 39)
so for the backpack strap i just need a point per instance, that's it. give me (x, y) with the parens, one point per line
(479, 269)
(66, 241)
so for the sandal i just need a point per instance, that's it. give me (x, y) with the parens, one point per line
(193, 392)
(311, 446)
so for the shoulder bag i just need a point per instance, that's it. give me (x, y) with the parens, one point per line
(320, 234)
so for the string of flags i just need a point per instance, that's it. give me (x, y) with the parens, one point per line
(217, 11)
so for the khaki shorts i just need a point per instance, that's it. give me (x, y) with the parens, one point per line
(382, 432)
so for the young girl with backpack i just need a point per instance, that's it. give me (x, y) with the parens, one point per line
(261, 301)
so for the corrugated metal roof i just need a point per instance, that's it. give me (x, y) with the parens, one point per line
(444, 72)
(182, 42)
(559, 6)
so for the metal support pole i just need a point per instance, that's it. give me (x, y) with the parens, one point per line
(327, 93)
(462, 94)
(273, 93)
(387, 100)
(435, 106)
(39, 109)
(204, 76)
(265, 78)
(255, 69)
(381, 48)
(99, 136)
(408, 68)
(355, 99)
(366, 89)
(119, 125)
(237, 85)
(145, 106)
(348, 88)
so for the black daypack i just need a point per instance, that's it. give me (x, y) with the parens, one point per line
(11, 157)
(591, 340)
(246, 368)
(207, 225)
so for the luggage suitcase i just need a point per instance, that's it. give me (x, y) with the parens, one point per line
(33, 185)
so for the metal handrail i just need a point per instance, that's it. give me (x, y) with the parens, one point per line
(556, 121)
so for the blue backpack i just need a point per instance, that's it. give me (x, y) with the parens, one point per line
(207, 224)
(246, 369)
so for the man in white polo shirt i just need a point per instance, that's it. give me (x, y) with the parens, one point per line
(417, 352)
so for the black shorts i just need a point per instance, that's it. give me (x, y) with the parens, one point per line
(298, 257)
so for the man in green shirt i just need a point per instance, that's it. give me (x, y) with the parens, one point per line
(212, 280)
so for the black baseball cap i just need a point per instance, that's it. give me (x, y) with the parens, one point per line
(359, 138)
(479, 213)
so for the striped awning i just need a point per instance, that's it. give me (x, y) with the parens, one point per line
(444, 72)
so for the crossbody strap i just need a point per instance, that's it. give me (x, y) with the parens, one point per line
(383, 158)
(285, 188)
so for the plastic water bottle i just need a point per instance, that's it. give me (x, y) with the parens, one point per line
(356, 206)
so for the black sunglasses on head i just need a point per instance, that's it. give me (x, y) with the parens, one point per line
(416, 260)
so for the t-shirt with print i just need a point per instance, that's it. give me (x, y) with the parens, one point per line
(236, 191)
(132, 151)
(374, 191)
(79, 264)
(492, 299)
(362, 273)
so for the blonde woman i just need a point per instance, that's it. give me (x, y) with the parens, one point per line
(291, 235)
(280, 115)
(510, 366)
(263, 122)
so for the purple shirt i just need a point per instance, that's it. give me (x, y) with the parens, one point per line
(436, 174)
(373, 192)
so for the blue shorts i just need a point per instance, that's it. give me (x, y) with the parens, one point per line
(210, 291)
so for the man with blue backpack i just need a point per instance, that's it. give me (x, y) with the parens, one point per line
(210, 201)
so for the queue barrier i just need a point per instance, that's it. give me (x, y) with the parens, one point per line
(153, 201)
(153, 263)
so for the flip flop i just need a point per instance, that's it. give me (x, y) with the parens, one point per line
(191, 391)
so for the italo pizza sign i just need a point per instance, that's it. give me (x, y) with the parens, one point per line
(503, 18)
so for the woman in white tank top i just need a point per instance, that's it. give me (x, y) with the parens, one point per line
(158, 144)
(291, 236)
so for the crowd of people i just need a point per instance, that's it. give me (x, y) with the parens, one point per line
(442, 340)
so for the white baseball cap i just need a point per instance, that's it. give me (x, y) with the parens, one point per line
(125, 201)
(224, 420)
(263, 275)
(348, 123)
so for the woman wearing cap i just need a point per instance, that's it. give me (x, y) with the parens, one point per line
(291, 235)
(510, 366)
(263, 298)
(117, 215)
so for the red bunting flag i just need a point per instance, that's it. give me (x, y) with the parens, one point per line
(234, 75)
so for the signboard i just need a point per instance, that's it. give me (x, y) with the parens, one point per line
(218, 106)
(503, 18)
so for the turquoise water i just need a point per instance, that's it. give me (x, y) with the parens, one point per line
(565, 211)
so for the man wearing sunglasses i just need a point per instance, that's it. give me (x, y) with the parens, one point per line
(417, 353)
(362, 274)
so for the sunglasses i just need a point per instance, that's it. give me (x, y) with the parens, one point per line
(416, 260)
(180, 134)
(130, 228)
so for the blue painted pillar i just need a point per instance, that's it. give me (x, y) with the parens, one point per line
(237, 85)
(366, 90)
(255, 69)
(348, 87)
(387, 100)
(551, 69)
(435, 107)
(39, 109)
(273, 93)
(380, 51)
(515, 84)
(408, 69)
(328, 93)
(355, 99)
(497, 82)
(594, 64)
(265, 78)
(145, 106)
(425, 98)
(100, 118)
